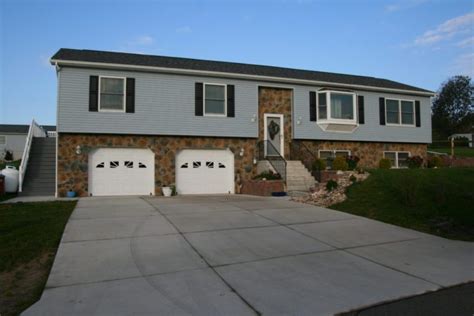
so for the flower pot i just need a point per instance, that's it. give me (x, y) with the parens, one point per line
(166, 191)
(71, 194)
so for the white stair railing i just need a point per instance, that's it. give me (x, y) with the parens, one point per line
(34, 131)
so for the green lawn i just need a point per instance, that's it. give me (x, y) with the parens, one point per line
(436, 201)
(458, 151)
(29, 237)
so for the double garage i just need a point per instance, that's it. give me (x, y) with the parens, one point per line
(131, 171)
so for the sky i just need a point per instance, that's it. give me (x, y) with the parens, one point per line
(417, 42)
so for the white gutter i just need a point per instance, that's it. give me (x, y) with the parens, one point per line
(232, 75)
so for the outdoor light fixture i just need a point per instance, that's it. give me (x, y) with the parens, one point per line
(298, 121)
(254, 118)
(78, 150)
(241, 152)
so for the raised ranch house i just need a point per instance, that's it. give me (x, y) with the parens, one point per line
(131, 124)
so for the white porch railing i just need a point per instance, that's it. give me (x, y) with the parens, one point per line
(52, 134)
(34, 131)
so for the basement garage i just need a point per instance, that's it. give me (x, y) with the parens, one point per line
(121, 171)
(202, 171)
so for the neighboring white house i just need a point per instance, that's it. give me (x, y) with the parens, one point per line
(13, 137)
(469, 136)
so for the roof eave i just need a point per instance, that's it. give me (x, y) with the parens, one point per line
(63, 62)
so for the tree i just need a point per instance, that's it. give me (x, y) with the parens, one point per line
(453, 107)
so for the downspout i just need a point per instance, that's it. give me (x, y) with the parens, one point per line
(58, 69)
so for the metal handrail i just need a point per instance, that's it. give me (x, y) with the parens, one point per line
(276, 160)
(34, 131)
(299, 151)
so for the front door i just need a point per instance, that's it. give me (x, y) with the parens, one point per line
(273, 134)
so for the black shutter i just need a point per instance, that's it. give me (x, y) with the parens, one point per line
(130, 97)
(230, 100)
(360, 107)
(417, 114)
(312, 106)
(198, 98)
(382, 110)
(93, 93)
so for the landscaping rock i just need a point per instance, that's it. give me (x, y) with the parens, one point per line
(322, 197)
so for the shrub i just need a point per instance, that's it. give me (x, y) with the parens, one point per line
(319, 164)
(331, 185)
(268, 175)
(352, 162)
(352, 178)
(415, 162)
(435, 162)
(385, 163)
(8, 155)
(339, 163)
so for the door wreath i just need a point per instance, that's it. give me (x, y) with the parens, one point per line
(273, 129)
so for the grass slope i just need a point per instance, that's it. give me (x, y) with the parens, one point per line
(436, 201)
(29, 238)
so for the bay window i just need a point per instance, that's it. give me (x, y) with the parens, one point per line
(336, 106)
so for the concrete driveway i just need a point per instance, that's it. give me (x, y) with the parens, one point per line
(238, 255)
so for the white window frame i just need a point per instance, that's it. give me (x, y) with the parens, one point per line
(329, 118)
(124, 94)
(333, 151)
(204, 99)
(400, 123)
(5, 140)
(396, 157)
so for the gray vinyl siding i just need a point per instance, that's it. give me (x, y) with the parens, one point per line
(164, 105)
(15, 143)
(371, 130)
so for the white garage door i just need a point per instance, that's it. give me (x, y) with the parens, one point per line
(200, 171)
(122, 171)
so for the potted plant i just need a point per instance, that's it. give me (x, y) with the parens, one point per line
(167, 191)
(70, 193)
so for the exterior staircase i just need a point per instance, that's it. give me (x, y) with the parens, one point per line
(298, 178)
(40, 174)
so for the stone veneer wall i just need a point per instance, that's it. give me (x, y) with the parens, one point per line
(276, 101)
(73, 168)
(369, 153)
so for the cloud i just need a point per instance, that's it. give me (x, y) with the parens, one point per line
(142, 40)
(403, 5)
(447, 30)
(184, 29)
(464, 65)
(468, 42)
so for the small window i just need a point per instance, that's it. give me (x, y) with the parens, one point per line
(114, 164)
(400, 112)
(398, 159)
(215, 100)
(3, 139)
(329, 155)
(393, 113)
(184, 165)
(196, 164)
(322, 106)
(141, 165)
(100, 165)
(112, 94)
(221, 165)
(408, 113)
(128, 164)
(210, 164)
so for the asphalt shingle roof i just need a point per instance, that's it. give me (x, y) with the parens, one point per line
(22, 129)
(225, 67)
